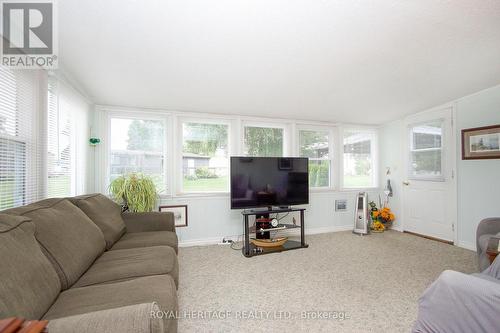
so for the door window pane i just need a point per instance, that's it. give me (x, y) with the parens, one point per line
(426, 150)
(137, 145)
(427, 136)
(358, 159)
(263, 141)
(315, 146)
(205, 157)
(426, 163)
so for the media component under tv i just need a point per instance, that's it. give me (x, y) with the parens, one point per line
(269, 181)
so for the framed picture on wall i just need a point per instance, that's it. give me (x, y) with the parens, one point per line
(180, 214)
(481, 143)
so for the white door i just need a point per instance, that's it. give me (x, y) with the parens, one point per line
(429, 191)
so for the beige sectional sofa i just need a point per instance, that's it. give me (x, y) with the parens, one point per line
(82, 264)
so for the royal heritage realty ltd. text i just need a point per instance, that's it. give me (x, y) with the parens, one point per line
(250, 315)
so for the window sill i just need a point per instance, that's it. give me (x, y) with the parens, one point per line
(215, 195)
(196, 195)
(357, 189)
(343, 190)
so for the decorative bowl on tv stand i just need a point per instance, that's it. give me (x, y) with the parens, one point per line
(275, 242)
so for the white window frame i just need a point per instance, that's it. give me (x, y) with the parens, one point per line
(331, 153)
(136, 116)
(374, 157)
(33, 136)
(62, 102)
(287, 147)
(179, 135)
(440, 178)
(173, 121)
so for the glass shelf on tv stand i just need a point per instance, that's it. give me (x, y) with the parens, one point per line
(280, 227)
(289, 245)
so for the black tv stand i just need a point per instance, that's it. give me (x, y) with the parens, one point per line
(250, 250)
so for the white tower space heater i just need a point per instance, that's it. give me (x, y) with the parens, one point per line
(362, 215)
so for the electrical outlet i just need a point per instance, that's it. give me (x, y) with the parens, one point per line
(225, 241)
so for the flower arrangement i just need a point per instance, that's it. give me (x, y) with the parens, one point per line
(381, 218)
(378, 226)
(384, 215)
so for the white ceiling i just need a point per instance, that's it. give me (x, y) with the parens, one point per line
(346, 61)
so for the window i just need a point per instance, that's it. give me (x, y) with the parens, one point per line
(205, 157)
(67, 140)
(137, 145)
(263, 141)
(359, 159)
(20, 162)
(426, 144)
(316, 146)
(59, 146)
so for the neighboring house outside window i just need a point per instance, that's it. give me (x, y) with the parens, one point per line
(205, 157)
(315, 144)
(137, 145)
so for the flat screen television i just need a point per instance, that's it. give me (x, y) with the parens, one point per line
(269, 181)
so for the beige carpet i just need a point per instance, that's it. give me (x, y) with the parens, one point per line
(374, 281)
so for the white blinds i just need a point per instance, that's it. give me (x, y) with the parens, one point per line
(67, 139)
(60, 164)
(20, 160)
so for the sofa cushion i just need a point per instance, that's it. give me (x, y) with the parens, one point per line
(105, 213)
(135, 318)
(28, 282)
(125, 264)
(157, 288)
(67, 236)
(146, 239)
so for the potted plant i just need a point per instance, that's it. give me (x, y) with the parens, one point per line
(136, 192)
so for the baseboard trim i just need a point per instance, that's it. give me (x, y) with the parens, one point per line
(200, 241)
(396, 228)
(293, 232)
(467, 245)
(324, 230)
(429, 237)
(309, 231)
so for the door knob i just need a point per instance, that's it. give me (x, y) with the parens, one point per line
(406, 183)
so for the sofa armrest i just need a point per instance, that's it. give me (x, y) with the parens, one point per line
(458, 302)
(136, 318)
(150, 221)
(494, 269)
(490, 226)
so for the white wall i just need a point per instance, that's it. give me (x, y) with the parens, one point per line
(478, 180)
(210, 218)
(391, 150)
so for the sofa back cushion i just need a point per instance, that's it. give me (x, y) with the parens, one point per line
(67, 236)
(28, 282)
(105, 213)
